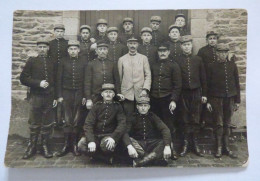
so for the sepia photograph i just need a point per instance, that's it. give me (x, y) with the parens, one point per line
(128, 88)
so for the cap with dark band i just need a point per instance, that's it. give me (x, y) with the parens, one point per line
(146, 29)
(128, 20)
(42, 41)
(59, 26)
(85, 27)
(156, 18)
(143, 100)
(173, 26)
(186, 38)
(110, 29)
(101, 21)
(180, 15)
(132, 39)
(222, 47)
(211, 33)
(73, 43)
(108, 86)
(163, 46)
(102, 43)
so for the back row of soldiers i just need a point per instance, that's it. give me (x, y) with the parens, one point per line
(81, 73)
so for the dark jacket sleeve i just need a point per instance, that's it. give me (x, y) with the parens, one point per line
(237, 99)
(26, 76)
(209, 78)
(163, 129)
(88, 80)
(89, 125)
(126, 138)
(121, 124)
(59, 79)
(177, 82)
(203, 78)
(116, 78)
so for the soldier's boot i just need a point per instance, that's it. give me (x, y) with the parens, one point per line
(45, 147)
(174, 153)
(227, 150)
(219, 147)
(184, 148)
(66, 147)
(31, 148)
(196, 145)
(145, 161)
(75, 137)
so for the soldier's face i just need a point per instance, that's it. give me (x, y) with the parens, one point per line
(59, 33)
(222, 55)
(146, 37)
(132, 46)
(102, 52)
(180, 21)
(212, 40)
(186, 47)
(128, 26)
(42, 49)
(155, 25)
(85, 34)
(143, 108)
(112, 36)
(108, 95)
(73, 51)
(174, 34)
(102, 28)
(163, 54)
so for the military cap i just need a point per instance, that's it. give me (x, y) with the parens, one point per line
(186, 38)
(110, 29)
(102, 43)
(156, 18)
(180, 15)
(173, 26)
(132, 39)
(108, 86)
(73, 43)
(163, 46)
(101, 21)
(42, 41)
(146, 29)
(85, 27)
(128, 20)
(222, 47)
(59, 26)
(143, 100)
(211, 33)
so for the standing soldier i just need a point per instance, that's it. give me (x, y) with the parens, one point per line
(135, 76)
(194, 89)
(101, 32)
(86, 52)
(174, 42)
(128, 26)
(146, 48)
(166, 88)
(180, 21)
(115, 48)
(158, 37)
(224, 97)
(70, 91)
(38, 74)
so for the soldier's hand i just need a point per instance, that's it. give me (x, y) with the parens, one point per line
(92, 40)
(132, 151)
(209, 107)
(82, 144)
(110, 143)
(143, 93)
(89, 104)
(167, 152)
(60, 99)
(204, 100)
(84, 100)
(44, 84)
(236, 107)
(172, 106)
(91, 146)
(93, 46)
(121, 97)
(55, 103)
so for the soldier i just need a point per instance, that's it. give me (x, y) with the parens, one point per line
(135, 76)
(128, 26)
(224, 97)
(166, 88)
(38, 74)
(194, 90)
(180, 21)
(115, 48)
(158, 37)
(99, 71)
(174, 42)
(146, 48)
(149, 139)
(104, 126)
(101, 32)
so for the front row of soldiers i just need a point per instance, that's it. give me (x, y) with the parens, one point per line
(147, 135)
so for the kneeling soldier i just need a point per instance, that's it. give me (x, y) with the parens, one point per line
(104, 126)
(38, 74)
(147, 139)
(224, 96)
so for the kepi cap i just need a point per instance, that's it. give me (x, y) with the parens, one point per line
(73, 43)
(173, 26)
(211, 33)
(85, 27)
(128, 20)
(108, 86)
(102, 43)
(132, 39)
(59, 26)
(163, 46)
(110, 29)
(156, 18)
(42, 41)
(143, 100)
(180, 15)
(146, 29)
(185, 38)
(222, 47)
(101, 21)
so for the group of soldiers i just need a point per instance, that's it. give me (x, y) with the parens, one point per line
(123, 92)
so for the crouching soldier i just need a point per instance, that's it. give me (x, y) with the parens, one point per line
(224, 97)
(38, 74)
(104, 126)
(70, 91)
(147, 139)
(193, 93)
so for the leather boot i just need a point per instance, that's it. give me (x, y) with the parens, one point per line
(227, 150)
(66, 147)
(145, 161)
(174, 153)
(31, 148)
(45, 148)
(219, 147)
(184, 148)
(196, 147)
(75, 150)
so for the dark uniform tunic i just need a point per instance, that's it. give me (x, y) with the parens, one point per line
(99, 72)
(99, 37)
(70, 83)
(166, 87)
(175, 49)
(85, 51)
(116, 50)
(158, 38)
(150, 51)
(41, 115)
(147, 133)
(123, 37)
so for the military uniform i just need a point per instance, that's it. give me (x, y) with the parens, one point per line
(175, 46)
(183, 30)
(157, 35)
(124, 36)
(100, 37)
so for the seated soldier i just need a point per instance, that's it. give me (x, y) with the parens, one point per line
(104, 126)
(147, 139)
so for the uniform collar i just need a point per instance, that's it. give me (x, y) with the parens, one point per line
(148, 44)
(107, 102)
(74, 58)
(102, 59)
(84, 41)
(113, 43)
(132, 54)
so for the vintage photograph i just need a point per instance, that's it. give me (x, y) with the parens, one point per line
(128, 88)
